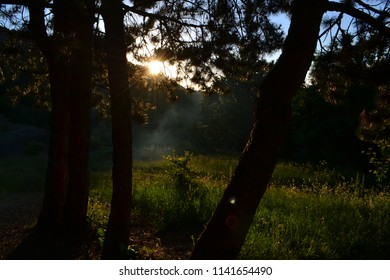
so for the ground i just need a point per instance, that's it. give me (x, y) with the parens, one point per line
(19, 210)
(18, 216)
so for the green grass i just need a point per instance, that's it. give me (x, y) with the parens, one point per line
(330, 224)
(219, 167)
(307, 212)
(157, 198)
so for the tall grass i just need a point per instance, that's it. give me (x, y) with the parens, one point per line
(329, 224)
(175, 198)
(307, 212)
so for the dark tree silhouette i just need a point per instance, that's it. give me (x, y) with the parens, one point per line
(227, 229)
(68, 52)
(118, 229)
(80, 99)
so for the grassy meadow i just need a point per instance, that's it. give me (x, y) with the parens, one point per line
(308, 212)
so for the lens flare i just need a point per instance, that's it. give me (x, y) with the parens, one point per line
(155, 67)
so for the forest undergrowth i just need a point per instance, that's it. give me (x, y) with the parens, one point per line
(308, 212)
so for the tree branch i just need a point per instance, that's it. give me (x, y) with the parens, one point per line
(353, 12)
(337, 21)
(160, 17)
(26, 3)
(372, 9)
(37, 26)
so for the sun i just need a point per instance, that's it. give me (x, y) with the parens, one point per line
(155, 67)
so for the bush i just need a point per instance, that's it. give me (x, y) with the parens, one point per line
(177, 199)
(180, 174)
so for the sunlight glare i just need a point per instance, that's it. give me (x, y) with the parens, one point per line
(156, 67)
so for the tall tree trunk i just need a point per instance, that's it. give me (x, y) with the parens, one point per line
(227, 229)
(69, 55)
(52, 213)
(80, 98)
(118, 228)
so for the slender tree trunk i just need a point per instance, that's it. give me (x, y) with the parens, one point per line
(80, 98)
(118, 229)
(52, 212)
(227, 229)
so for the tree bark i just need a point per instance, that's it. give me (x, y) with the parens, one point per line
(227, 229)
(118, 228)
(52, 213)
(69, 55)
(80, 98)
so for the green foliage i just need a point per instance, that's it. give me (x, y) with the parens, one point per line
(180, 174)
(23, 74)
(326, 224)
(376, 130)
(323, 131)
(380, 162)
(305, 176)
(180, 189)
(168, 210)
(226, 117)
(309, 212)
(353, 76)
(216, 167)
(239, 51)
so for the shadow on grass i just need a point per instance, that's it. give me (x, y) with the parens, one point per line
(54, 245)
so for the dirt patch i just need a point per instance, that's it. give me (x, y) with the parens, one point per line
(146, 243)
(18, 215)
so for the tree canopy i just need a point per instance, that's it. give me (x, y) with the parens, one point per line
(217, 45)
